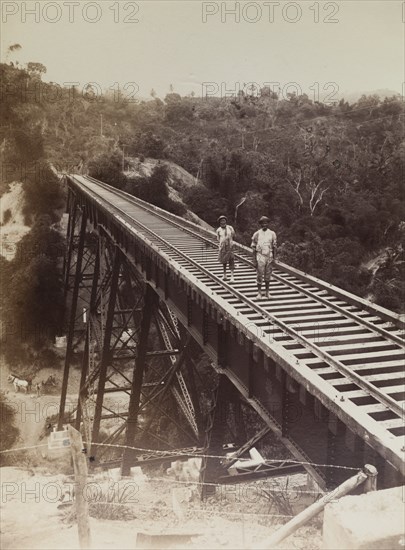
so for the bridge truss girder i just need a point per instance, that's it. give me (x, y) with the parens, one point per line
(108, 297)
(115, 317)
(234, 354)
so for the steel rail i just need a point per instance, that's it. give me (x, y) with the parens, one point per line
(353, 377)
(244, 257)
(339, 309)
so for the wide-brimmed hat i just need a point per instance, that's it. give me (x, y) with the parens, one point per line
(264, 219)
(222, 218)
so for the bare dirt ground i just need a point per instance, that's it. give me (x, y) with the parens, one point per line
(31, 519)
(31, 486)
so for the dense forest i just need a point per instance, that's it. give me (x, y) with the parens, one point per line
(330, 177)
(31, 289)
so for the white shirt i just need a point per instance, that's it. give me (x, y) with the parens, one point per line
(224, 233)
(264, 242)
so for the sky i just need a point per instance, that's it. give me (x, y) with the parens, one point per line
(215, 48)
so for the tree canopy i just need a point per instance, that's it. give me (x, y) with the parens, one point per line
(330, 176)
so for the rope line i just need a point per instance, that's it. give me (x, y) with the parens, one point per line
(190, 455)
(202, 455)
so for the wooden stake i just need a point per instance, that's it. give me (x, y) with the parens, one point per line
(291, 526)
(371, 482)
(80, 469)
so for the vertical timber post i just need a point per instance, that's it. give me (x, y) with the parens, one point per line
(371, 482)
(71, 330)
(81, 502)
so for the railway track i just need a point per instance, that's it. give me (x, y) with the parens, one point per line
(350, 345)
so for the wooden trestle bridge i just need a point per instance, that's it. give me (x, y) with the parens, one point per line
(321, 368)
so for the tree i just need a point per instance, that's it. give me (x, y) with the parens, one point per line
(308, 172)
(14, 47)
(173, 97)
(108, 168)
(154, 190)
(328, 176)
(11, 50)
(43, 194)
(36, 70)
(35, 302)
(207, 204)
(32, 300)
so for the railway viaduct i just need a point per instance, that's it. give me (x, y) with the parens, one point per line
(321, 368)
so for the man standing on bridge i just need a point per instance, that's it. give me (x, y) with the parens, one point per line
(225, 235)
(264, 245)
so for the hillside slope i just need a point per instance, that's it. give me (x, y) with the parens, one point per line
(179, 181)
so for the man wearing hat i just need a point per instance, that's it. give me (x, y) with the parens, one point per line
(264, 245)
(225, 235)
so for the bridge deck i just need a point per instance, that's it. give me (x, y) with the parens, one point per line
(347, 352)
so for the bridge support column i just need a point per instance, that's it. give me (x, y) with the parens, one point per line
(73, 211)
(106, 352)
(134, 402)
(73, 308)
(86, 356)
